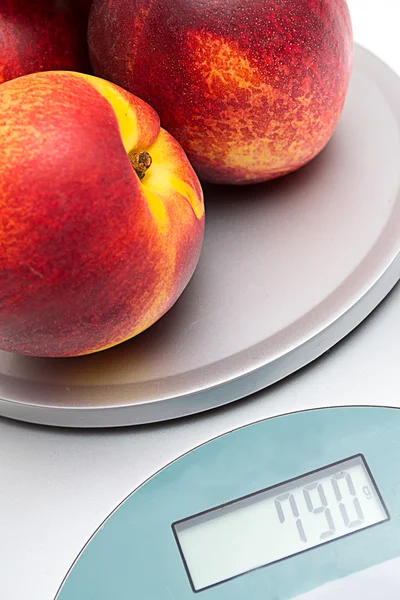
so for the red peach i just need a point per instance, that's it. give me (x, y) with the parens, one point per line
(101, 215)
(252, 90)
(42, 35)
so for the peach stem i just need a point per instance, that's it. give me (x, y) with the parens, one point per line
(141, 161)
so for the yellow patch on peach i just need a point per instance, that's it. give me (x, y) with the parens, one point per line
(168, 191)
(229, 74)
(155, 182)
(124, 112)
(156, 207)
(163, 172)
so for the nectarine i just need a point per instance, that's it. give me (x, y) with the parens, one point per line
(101, 215)
(251, 89)
(42, 35)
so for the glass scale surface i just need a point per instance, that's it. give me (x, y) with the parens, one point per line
(323, 480)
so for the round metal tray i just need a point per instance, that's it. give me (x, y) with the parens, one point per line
(287, 270)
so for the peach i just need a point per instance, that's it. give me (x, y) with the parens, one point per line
(42, 35)
(251, 89)
(101, 215)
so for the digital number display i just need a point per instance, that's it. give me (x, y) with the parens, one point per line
(279, 522)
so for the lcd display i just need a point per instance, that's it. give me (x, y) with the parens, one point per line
(279, 522)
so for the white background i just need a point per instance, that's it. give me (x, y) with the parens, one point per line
(376, 27)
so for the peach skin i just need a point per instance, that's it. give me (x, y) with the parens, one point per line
(101, 215)
(42, 35)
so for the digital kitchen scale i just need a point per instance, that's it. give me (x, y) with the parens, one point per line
(277, 509)
(288, 269)
(297, 495)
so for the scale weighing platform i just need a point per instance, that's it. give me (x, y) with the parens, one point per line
(291, 492)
